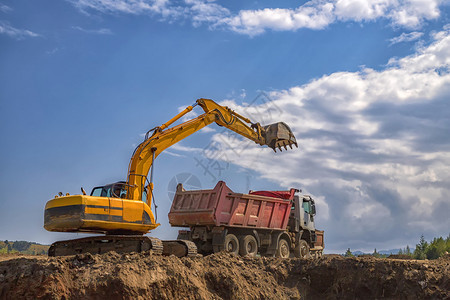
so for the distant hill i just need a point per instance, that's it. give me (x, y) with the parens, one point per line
(30, 248)
(388, 252)
(382, 252)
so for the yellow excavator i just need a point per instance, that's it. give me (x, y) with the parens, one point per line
(122, 210)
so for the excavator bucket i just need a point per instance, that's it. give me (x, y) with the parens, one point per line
(279, 135)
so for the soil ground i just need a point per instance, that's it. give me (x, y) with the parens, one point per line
(220, 276)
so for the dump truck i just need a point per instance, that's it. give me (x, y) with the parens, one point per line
(269, 223)
(121, 211)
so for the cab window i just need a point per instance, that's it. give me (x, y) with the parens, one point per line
(119, 191)
(307, 207)
(102, 191)
(144, 195)
(97, 192)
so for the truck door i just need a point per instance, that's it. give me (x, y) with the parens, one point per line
(294, 217)
(309, 211)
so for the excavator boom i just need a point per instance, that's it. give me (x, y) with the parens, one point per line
(275, 136)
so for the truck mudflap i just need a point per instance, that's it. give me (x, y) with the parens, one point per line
(122, 244)
(316, 252)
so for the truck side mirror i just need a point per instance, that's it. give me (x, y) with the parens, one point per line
(313, 209)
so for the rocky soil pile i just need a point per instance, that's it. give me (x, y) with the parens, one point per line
(220, 276)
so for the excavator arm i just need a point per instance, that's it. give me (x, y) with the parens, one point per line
(160, 138)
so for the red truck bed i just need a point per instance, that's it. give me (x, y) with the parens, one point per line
(221, 207)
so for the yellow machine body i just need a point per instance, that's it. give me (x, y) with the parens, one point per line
(82, 213)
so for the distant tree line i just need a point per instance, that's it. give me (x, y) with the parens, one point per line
(433, 250)
(375, 253)
(424, 250)
(22, 247)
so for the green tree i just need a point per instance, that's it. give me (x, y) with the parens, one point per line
(421, 247)
(21, 245)
(436, 248)
(348, 253)
(375, 253)
(408, 251)
(400, 252)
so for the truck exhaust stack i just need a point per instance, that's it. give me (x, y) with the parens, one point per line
(279, 135)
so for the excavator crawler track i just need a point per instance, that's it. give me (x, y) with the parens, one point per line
(157, 245)
(120, 244)
(180, 248)
(192, 248)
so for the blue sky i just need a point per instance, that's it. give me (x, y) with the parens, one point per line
(363, 84)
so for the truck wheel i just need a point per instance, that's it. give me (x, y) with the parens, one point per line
(302, 249)
(231, 244)
(283, 249)
(248, 246)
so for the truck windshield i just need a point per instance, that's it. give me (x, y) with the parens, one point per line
(307, 206)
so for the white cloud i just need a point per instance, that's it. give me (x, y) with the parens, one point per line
(318, 14)
(362, 10)
(53, 51)
(314, 14)
(407, 13)
(411, 13)
(15, 33)
(310, 15)
(125, 6)
(181, 147)
(206, 11)
(406, 37)
(374, 148)
(5, 8)
(94, 31)
(136, 7)
(173, 154)
(207, 130)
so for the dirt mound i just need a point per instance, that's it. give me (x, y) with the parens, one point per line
(220, 276)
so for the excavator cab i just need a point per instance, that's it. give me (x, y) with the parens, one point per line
(279, 135)
(114, 190)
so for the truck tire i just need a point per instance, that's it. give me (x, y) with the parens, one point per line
(302, 249)
(231, 244)
(248, 246)
(283, 250)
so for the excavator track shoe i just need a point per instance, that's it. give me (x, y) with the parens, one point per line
(180, 248)
(157, 245)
